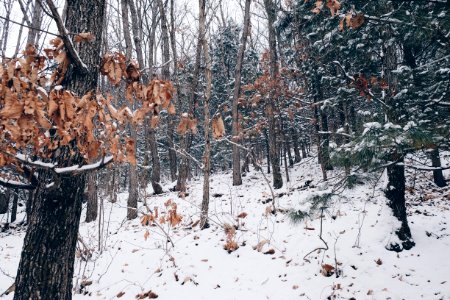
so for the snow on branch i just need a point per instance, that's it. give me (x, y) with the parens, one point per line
(16, 184)
(75, 170)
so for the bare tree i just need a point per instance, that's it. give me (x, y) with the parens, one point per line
(270, 107)
(206, 125)
(237, 179)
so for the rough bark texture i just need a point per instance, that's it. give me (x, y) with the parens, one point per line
(166, 76)
(92, 199)
(438, 177)
(187, 139)
(206, 127)
(126, 29)
(395, 192)
(4, 200)
(47, 261)
(14, 205)
(237, 179)
(36, 21)
(150, 134)
(133, 178)
(270, 107)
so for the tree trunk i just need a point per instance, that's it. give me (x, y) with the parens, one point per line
(47, 260)
(4, 200)
(237, 179)
(266, 135)
(151, 143)
(206, 126)
(126, 30)
(29, 203)
(438, 177)
(395, 192)
(396, 200)
(132, 194)
(294, 134)
(304, 155)
(166, 76)
(270, 106)
(14, 205)
(133, 183)
(5, 33)
(92, 198)
(36, 21)
(187, 139)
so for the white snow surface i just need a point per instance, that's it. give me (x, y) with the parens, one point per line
(133, 265)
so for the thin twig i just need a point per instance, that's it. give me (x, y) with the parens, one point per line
(320, 236)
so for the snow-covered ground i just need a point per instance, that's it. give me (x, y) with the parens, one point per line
(357, 225)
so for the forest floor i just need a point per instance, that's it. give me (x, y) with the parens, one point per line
(357, 225)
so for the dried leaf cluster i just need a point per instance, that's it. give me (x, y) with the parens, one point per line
(169, 216)
(38, 116)
(230, 232)
(187, 123)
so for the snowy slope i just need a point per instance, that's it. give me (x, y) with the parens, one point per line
(356, 227)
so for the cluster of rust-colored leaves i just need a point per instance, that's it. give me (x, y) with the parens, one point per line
(350, 20)
(170, 216)
(264, 89)
(38, 115)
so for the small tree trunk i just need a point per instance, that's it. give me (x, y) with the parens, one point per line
(438, 177)
(304, 155)
(92, 198)
(206, 126)
(29, 204)
(286, 168)
(132, 194)
(270, 107)
(237, 179)
(396, 200)
(294, 134)
(14, 205)
(36, 21)
(5, 33)
(184, 171)
(267, 150)
(166, 76)
(395, 191)
(4, 201)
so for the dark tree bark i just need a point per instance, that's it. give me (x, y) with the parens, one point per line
(237, 179)
(187, 139)
(14, 205)
(29, 203)
(92, 198)
(166, 76)
(206, 125)
(47, 261)
(438, 177)
(133, 178)
(396, 200)
(150, 132)
(4, 201)
(395, 192)
(270, 106)
(294, 134)
(266, 135)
